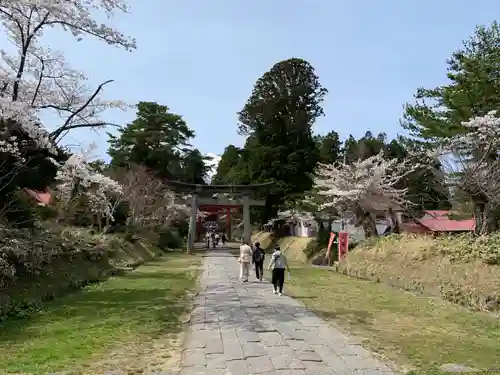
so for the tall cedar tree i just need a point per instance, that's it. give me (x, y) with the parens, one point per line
(158, 140)
(329, 147)
(278, 118)
(227, 170)
(473, 90)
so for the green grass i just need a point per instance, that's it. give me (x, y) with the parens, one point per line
(415, 331)
(128, 312)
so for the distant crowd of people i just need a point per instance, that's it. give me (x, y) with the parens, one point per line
(213, 238)
(278, 264)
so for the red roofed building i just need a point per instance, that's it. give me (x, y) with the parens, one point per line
(438, 221)
(44, 198)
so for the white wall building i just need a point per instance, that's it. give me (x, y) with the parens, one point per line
(303, 227)
(357, 233)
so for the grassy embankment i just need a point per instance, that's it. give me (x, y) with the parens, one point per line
(417, 332)
(129, 323)
(40, 265)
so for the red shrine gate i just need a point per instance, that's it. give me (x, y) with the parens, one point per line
(215, 210)
(215, 206)
(199, 202)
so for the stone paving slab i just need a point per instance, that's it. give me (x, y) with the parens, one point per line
(243, 329)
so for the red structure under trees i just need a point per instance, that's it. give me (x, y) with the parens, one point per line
(215, 210)
(205, 198)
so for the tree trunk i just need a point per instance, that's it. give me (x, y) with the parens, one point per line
(321, 226)
(395, 223)
(369, 226)
(486, 218)
(366, 220)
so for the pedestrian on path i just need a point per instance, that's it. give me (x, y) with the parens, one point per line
(278, 265)
(212, 237)
(245, 261)
(258, 259)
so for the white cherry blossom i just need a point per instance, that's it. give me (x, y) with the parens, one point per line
(75, 179)
(483, 132)
(369, 184)
(35, 79)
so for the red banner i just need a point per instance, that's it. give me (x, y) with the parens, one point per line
(343, 244)
(330, 242)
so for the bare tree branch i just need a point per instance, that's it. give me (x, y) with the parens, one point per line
(55, 134)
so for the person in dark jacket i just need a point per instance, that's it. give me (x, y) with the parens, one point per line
(258, 259)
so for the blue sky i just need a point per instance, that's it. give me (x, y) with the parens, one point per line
(201, 58)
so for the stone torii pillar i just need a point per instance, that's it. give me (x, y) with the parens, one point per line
(247, 224)
(192, 223)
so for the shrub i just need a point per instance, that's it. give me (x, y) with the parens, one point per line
(314, 247)
(169, 238)
(17, 208)
(44, 213)
(182, 228)
(463, 269)
(121, 214)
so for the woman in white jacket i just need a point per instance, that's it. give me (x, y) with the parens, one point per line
(245, 260)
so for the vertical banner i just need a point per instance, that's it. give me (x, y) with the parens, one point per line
(343, 244)
(330, 243)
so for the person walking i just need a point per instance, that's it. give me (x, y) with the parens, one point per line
(258, 259)
(212, 237)
(223, 238)
(278, 265)
(245, 260)
(207, 240)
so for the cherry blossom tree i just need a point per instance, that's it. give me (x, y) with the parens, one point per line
(79, 184)
(150, 202)
(473, 165)
(363, 188)
(35, 80)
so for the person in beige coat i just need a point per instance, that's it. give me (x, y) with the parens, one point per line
(245, 260)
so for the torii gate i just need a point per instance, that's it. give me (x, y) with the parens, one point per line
(199, 200)
(215, 210)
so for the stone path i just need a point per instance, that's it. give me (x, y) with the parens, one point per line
(242, 328)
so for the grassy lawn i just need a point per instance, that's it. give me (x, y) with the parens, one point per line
(127, 323)
(411, 330)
